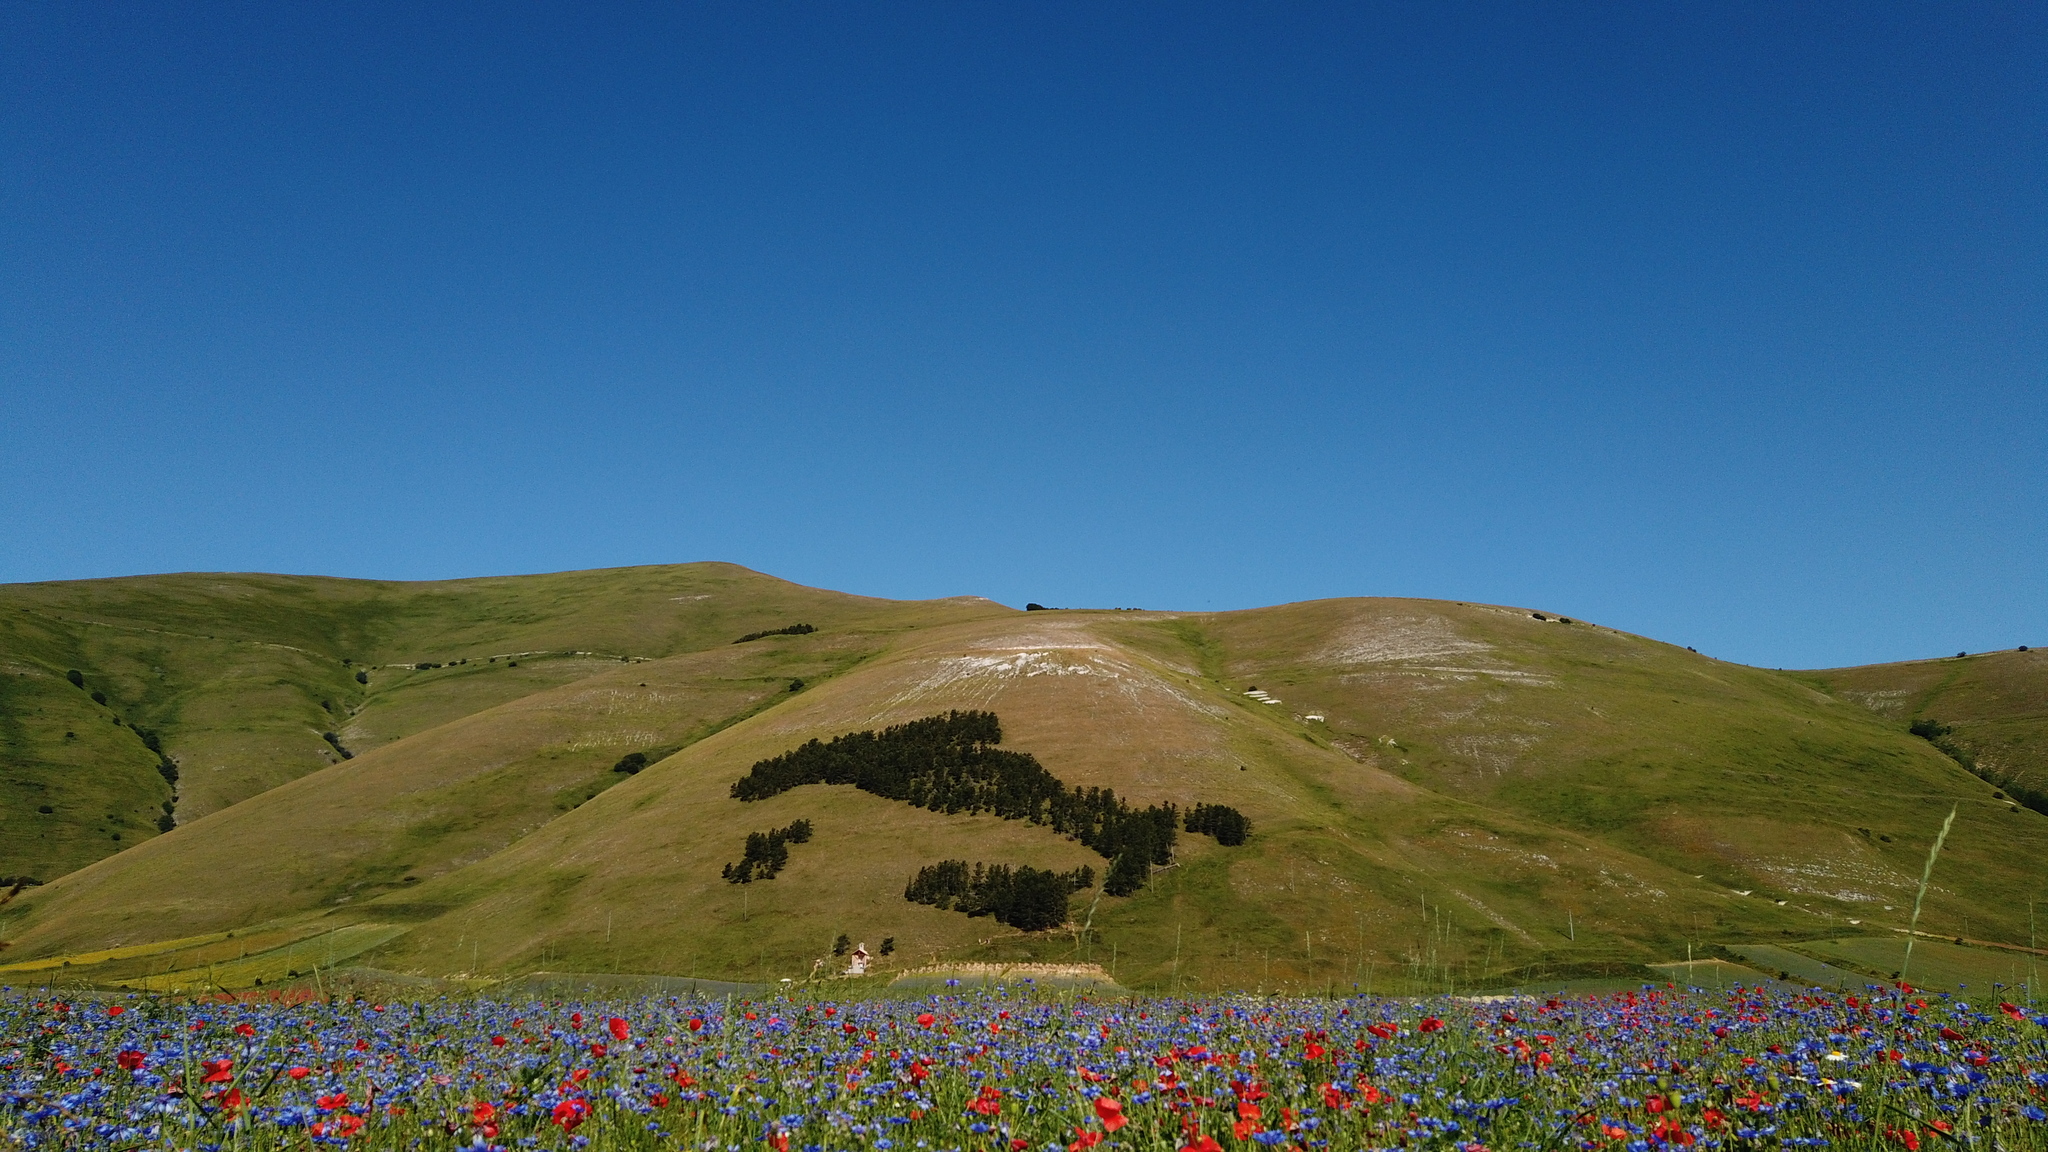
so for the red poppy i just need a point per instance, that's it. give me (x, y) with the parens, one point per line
(116, 1010)
(569, 1113)
(330, 1103)
(695, 1024)
(216, 1071)
(597, 1051)
(1333, 1097)
(619, 1029)
(575, 1019)
(1110, 1112)
(483, 1112)
(299, 1072)
(131, 1060)
(1432, 1024)
(244, 1031)
(658, 1099)
(925, 1019)
(1084, 1140)
(346, 1125)
(1203, 1143)
(498, 1041)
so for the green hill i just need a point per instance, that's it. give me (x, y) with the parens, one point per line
(1994, 707)
(240, 676)
(1440, 794)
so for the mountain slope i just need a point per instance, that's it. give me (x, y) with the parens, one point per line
(1440, 793)
(1995, 705)
(239, 676)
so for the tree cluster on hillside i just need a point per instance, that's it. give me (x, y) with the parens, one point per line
(1226, 824)
(792, 630)
(2018, 787)
(949, 764)
(1026, 898)
(631, 763)
(766, 853)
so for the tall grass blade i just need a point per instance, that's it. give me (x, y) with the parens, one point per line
(1926, 873)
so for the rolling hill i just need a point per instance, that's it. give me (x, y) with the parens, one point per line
(1440, 794)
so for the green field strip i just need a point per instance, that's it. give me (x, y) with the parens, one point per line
(277, 964)
(1801, 967)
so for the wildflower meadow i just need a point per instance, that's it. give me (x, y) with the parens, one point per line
(1018, 1069)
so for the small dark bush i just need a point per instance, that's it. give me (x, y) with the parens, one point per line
(1538, 616)
(362, 677)
(888, 945)
(841, 945)
(335, 740)
(1035, 608)
(166, 822)
(46, 810)
(631, 763)
(76, 677)
(99, 697)
(796, 685)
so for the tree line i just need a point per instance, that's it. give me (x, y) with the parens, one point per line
(949, 763)
(767, 853)
(792, 630)
(1026, 898)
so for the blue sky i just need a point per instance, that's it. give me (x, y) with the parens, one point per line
(1722, 324)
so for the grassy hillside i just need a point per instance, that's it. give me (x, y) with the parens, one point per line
(1994, 703)
(240, 676)
(1442, 795)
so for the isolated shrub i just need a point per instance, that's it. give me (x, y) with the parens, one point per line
(99, 697)
(841, 945)
(166, 822)
(46, 810)
(1929, 729)
(888, 945)
(1035, 608)
(76, 677)
(631, 763)
(796, 685)
(362, 677)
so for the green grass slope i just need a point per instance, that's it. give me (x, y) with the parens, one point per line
(1995, 703)
(1747, 778)
(241, 675)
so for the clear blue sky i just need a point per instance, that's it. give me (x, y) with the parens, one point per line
(1723, 324)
